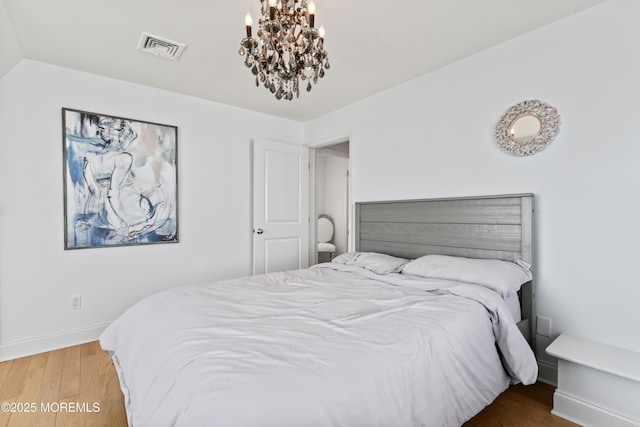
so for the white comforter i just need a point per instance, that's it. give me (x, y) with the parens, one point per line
(325, 346)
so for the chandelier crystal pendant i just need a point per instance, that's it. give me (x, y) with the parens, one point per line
(288, 50)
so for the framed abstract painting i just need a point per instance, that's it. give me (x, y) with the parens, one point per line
(120, 181)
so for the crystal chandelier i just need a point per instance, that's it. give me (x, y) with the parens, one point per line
(288, 50)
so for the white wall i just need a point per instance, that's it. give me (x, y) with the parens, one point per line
(37, 277)
(9, 45)
(433, 137)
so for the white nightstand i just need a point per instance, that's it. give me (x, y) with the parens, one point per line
(598, 384)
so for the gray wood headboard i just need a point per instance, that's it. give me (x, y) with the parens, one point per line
(495, 227)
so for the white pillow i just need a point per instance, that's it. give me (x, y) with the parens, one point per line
(503, 277)
(378, 263)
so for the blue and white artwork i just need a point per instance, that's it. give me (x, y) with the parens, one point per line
(120, 181)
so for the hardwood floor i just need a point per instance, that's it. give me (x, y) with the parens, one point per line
(56, 386)
(521, 406)
(77, 386)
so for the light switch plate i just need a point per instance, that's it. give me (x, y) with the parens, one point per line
(543, 326)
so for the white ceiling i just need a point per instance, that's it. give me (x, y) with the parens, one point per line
(372, 44)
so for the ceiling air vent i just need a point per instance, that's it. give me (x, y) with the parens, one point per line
(159, 46)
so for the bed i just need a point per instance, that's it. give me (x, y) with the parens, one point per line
(374, 338)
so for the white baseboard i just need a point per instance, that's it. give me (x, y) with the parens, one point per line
(586, 414)
(31, 346)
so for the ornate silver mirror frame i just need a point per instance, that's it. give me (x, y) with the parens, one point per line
(527, 128)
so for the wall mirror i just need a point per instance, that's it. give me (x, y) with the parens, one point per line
(527, 128)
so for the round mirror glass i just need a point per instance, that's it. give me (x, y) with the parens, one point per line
(525, 128)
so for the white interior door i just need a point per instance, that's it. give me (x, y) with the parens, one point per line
(280, 207)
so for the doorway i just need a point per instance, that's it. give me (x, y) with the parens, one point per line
(332, 199)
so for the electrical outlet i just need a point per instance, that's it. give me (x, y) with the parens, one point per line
(76, 302)
(543, 326)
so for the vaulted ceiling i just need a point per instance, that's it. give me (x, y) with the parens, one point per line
(372, 44)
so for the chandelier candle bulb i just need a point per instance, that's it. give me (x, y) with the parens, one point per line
(248, 21)
(272, 9)
(312, 16)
